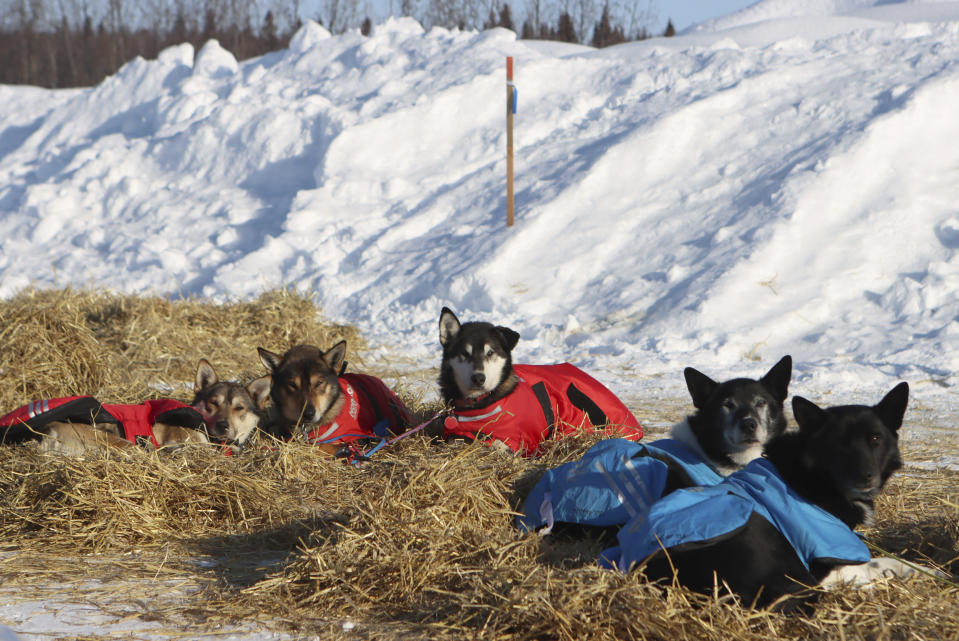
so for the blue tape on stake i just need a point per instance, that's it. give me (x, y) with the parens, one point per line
(515, 93)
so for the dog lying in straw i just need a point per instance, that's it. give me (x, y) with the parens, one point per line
(222, 412)
(617, 480)
(784, 523)
(312, 397)
(518, 405)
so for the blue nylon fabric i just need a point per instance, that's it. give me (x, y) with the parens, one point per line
(614, 481)
(701, 514)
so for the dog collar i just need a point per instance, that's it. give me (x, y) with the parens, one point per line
(471, 403)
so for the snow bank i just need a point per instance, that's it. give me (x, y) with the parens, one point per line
(710, 200)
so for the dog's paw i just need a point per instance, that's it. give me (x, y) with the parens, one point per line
(880, 568)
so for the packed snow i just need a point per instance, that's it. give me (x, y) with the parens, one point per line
(782, 186)
(782, 180)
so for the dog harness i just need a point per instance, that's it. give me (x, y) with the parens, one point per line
(370, 410)
(704, 515)
(615, 480)
(549, 400)
(135, 421)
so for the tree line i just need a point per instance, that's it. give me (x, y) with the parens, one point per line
(77, 43)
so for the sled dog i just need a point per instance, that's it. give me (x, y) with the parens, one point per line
(517, 405)
(229, 409)
(76, 425)
(312, 396)
(617, 480)
(733, 419)
(784, 522)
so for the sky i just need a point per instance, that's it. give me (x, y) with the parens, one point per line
(685, 13)
(714, 200)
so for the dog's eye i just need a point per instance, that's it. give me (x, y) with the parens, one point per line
(489, 353)
(761, 403)
(873, 440)
(292, 386)
(729, 405)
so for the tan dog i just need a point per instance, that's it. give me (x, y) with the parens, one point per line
(230, 409)
(224, 412)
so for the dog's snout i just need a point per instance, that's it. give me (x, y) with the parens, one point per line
(478, 378)
(309, 412)
(749, 425)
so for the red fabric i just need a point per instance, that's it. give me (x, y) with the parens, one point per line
(136, 420)
(364, 395)
(34, 409)
(518, 420)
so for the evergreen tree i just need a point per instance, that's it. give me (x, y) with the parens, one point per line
(527, 33)
(670, 29)
(565, 32)
(269, 31)
(506, 17)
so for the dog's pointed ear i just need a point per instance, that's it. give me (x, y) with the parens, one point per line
(449, 326)
(335, 355)
(809, 416)
(700, 386)
(510, 337)
(777, 378)
(892, 408)
(259, 389)
(205, 375)
(270, 360)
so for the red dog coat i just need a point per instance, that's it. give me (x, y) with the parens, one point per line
(549, 401)
(369, 410)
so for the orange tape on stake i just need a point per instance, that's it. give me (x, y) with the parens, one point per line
(510, 109)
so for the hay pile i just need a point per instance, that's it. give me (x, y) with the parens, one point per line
(123, 349)
(417, 544)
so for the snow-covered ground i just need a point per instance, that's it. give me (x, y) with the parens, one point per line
(782, 186)
(781, 180)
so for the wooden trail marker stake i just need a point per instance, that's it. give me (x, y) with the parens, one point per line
(510, 110)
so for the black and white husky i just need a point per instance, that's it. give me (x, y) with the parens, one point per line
(735, 418)
(617, 480)
(492, 399)
(477, 362)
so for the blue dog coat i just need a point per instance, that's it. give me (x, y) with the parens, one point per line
(701, 515)
(615, 481)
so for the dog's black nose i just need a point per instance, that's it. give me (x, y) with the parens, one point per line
(478, 378)
(220, 428)
(749, 425)
(309, 412)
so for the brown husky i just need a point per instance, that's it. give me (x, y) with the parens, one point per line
(230, 409)
(221, 411)
(311, 394)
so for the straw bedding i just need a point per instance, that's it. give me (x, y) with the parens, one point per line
(417, 544)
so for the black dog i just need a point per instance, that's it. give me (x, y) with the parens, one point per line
(735, 418)
(827, 475)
